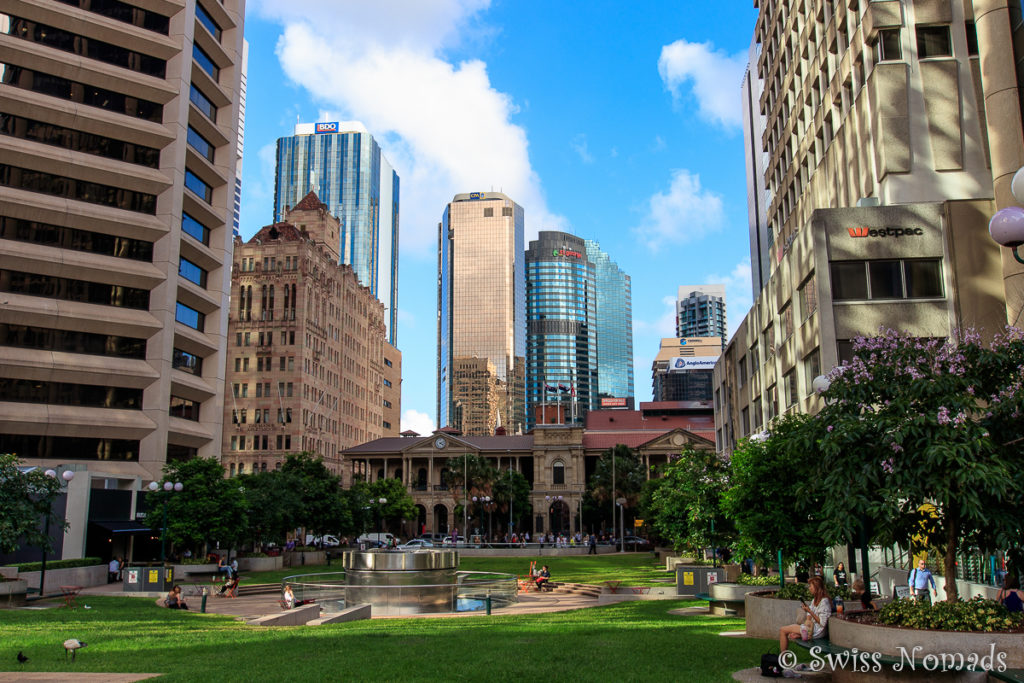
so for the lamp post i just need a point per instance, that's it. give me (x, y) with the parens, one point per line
(381, 502)
(1007, 225)
(67, 476)
(167, 486)
(622, 523)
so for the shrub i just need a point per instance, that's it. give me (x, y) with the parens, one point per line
(750, 580)
(58, 564)
(976, 614)
(800, 591)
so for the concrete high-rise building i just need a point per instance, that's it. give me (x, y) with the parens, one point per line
(879, 189)
(481, 312)
(683, 369)
(614, 326)
(309, 368)
(345, 167)
(700, 311)
(242, 86)
(118, 170)
(561, 326)
(761, 237)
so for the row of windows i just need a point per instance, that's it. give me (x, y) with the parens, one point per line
(122, 11)
(241, 443)
(73, 238)
(90, 95)
(69, 447)
(260, 416)
(44, 338)
(80, 190)
(266, 339)
(67, 394)
(78, 141)
(34, 284)
(90, 48)
(266, 365)
(896, 279)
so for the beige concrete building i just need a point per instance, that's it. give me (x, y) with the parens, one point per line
(875, 156)
(118, 136)
(683, 368)
(481, 314)
(308, 365)
(556, 460)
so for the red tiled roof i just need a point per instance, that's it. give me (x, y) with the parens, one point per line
(603, 420)
(277, 231)
(309, 203)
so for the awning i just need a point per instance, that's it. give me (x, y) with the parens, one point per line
(124, 526)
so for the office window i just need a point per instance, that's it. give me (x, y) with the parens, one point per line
(203, 103)
(194, 229)
(200, 188)
(187, 362)
(808, 297)
(812, 368)
(888, 279)
(205, 62)
(200, 144)
(933, 41)
(889, 48)
(191, 272)
(206, 20)
(849, 280)
(186, 315)
(923, 279)
(972, 38)
(184, 408)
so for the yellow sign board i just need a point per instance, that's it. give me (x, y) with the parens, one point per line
(638, 522)
(154, 575)
(687, 578)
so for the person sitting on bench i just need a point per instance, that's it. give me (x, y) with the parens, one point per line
(230, 588)
(543, 577)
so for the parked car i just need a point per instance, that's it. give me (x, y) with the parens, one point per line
(448, 540)
(416, 544)
(384, 538)
(637, 543)
(435, 538)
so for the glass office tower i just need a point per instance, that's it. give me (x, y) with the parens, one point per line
(344, 165)
(481, 328)
(561, 336)
(614, 325)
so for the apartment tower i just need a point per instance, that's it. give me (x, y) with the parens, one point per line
(700, 311)
(119, 140)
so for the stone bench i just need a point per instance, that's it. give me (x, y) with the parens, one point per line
(298, 616)
(353, 613)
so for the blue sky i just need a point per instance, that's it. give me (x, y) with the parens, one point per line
(616, 121)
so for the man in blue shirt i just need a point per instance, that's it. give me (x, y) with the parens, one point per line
(918, 581)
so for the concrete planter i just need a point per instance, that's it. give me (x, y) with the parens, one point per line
(298, 558)
(260, 564)
(729, 599)
(894, 642)
(766, 615)
(12, 593)
(192, 572)
(96, 575)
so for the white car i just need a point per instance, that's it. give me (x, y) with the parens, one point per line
(416, 544)
(327, 541)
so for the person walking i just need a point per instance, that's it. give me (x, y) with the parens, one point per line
(839, 575)
(919, 579)
(592, 545)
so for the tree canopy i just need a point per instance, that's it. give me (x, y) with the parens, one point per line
(26, 501)
(619, 473)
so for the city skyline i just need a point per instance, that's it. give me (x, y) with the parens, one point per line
(473, 96)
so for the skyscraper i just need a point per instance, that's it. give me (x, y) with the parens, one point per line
(119, 139)
(761, 237)
(344, 165)
(700, 311)
(481, 314)
(614, 325)
(561, 326)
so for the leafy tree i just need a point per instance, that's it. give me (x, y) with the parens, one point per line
(209, 508)
(924, 434)
(26, 499)
(773, 500)
(627, 473)
(685, 504)
(478, 472)
(270, 506)
(511, 493)
(400, 503)
(320, 507)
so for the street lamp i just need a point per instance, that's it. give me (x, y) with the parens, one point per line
(381, 502)
(1007, 225)
(622, 523)
(167, 486)
(67, 476)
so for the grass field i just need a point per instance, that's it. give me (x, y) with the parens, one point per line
(632, 569)
(624, 642)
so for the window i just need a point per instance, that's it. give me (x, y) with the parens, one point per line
(33, 284)
(80, 190)
(745, 421)
(67, 394)
(889, 279)
(488, 213)
(886, 279)
(200, 144)
(506, 211)
(812, 368)
(849, 281)
(184, 408)
(923, 279)
(89, 95)
(933, 41)
(789, 386)
(972, 38)
(200, 188)
(76, 140)
(194, 229)
(741, 373)
(191, 272)
(72, 447)
(808, 297)
(186, 315)
(205, 62)
(787, 321)
(387, 382)
(26, 337)
(203, 103)
(888, 48)
(844, 350)
(206, 20)
(73, 238)
(558, 472)
(187, 362)
(773, 402)
(122, 11)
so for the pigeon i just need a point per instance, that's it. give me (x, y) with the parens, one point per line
(72, 645)
(21, 657)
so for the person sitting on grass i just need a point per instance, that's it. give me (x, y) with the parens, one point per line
(175, 600)
(289, 597)
(543, 577)
(813, 618)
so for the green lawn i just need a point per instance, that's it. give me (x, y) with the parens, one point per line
(623, 642)
(632, 569)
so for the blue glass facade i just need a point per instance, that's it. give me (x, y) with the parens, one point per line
(561, 334)
(349, 173)
(614, 325)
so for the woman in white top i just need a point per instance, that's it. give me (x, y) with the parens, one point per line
(813, 618)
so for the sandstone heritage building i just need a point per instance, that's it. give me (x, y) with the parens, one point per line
(309, 368)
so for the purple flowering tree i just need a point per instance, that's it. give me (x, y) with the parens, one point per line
(923, 438)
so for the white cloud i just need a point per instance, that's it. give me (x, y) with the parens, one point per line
(663, 326)
(738, 294)
(579, 145)
(683, 213)
(714, 78)
(443, 126)
(417, 421)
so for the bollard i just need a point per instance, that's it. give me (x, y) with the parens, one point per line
(488, 605)
(202, 604)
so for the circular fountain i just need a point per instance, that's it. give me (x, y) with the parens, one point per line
(406, 582)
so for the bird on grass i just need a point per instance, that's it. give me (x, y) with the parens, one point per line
(72, 645)
(21, 657)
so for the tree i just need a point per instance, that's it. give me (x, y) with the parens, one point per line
(478, 472)
(270, 506)
(209, 508)
(511, 493)
(772, 499)
(685, 504)
(400, 504)
(320, 507)
(618, 474)
(924, 435)
(26, 499)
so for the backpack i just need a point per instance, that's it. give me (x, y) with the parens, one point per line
(770, 666)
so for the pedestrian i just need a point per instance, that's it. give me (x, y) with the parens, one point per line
(113, 569)
(919, 579)
(1010, 595)
(592, 545)
(839, 575)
